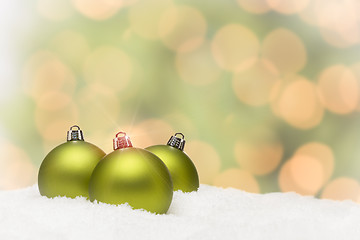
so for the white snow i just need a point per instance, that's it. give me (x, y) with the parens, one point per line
(210, 213)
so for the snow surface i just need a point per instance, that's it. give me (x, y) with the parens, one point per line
(210, 213)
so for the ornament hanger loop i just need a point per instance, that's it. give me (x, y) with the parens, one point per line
(75, 126)
(123, 134)
(182, 135)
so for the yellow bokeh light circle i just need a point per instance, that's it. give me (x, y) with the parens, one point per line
(237, 178)
(301, 174)
(71, 46)
(338, 89)
(259, 158)
(342, 188)
(322, 153)
(109, 66)
(145, 17)
(197, 67)
(254, 6)
(256, 85)
(53, 100)
(288, 6)
(285, 50)
(320, 12)
(55, 10)
(182, 28)
(307, 173)
(355, 68)
(235, 47)
(45, 72)
(205, 158)
(98, 106)
(308, 170)
(286, 180)
(16, 168)
(343, 37)
(337, 20)
(298, 104)
(98, 9)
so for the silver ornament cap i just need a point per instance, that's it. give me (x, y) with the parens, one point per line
(75, 134)
(177, 142)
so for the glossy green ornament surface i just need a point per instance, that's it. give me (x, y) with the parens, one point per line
(66, 170)
(182, 169)
(135, 176)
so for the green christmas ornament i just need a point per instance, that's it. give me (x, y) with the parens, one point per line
(66, 170)
(132, 175)
(182, 169)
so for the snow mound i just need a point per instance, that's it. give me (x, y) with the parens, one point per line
(210, 213)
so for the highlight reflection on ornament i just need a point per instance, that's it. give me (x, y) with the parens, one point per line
(182, 169)
(66, 169)
(132, 175)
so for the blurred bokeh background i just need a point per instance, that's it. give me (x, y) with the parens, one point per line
(267, 92)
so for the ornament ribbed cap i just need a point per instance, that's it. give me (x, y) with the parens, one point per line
(75, 134)
(177, 142)
(122, 141)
